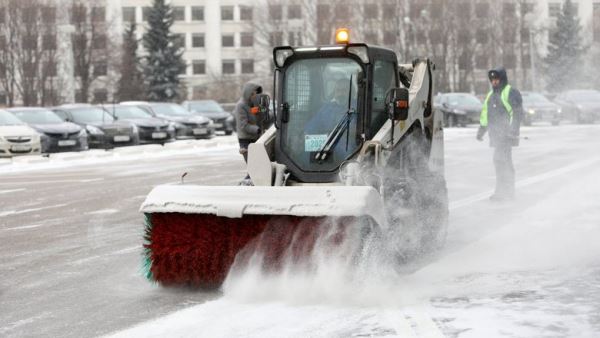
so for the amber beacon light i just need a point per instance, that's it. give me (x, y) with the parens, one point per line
(342, 35)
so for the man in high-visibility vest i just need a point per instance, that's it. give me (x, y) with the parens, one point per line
(501, 115)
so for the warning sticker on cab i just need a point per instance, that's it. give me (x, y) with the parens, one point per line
(314, 143)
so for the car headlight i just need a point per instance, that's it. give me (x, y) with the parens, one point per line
(531, 111)
(459, 111)
(94, 130)
(230, 118)
(210, 122)
(82, 133)
(134, 128)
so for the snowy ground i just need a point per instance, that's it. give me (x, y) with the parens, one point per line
(71, 234)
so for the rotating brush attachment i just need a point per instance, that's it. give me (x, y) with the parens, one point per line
(199, 249)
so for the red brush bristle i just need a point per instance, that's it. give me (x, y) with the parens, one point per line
(199, 249)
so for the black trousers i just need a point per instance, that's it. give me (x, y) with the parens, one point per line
(505, 170)
(244, 143)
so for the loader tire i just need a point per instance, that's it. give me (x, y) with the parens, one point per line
(410, 184)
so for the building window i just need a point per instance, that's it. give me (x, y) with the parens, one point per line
(99, 42)
(179, 13)
(183, 70)
(48, 15)
(389, 12)
(227, 41)
(2, 43)
(197, 13)
(49, 42)
(100, 95)
(481, 36)
(197, 40)
(509, 60)
(342, 11)
(146, 13)
(2, 16)
(276, 39)
(100, 68)
(371, 38)
(128, 14)
(247, 39)
(198, 67)
(179, 40)
(482, 9)
(29, 42)
(596, 21)
(294, 12)
(553, 9)
(228, 67)
(29, 14)
(389, 38)
(275, 12)
(98, 14)
(247, 66)
(49, 69)
(227, 13)
(370, 11)
(246, 13)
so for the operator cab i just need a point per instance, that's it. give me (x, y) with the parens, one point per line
(331, 99)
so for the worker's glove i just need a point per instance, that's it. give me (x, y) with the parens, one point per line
(480, 132)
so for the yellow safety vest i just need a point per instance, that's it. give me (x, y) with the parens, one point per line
(483, 119)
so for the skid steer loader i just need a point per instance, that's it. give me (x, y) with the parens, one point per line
(354, 138)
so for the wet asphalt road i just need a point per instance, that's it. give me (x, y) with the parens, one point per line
(70, 258)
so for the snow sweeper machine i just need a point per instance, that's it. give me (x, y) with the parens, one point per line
(355, 146)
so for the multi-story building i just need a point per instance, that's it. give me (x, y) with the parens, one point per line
(228, 42)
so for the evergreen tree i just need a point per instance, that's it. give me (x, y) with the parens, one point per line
(163, 62)
(564, 51)
(131, 83)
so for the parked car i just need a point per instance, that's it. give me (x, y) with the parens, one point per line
(16, 138)
(538, 108)
(581, 106)
(187, 125)
(102, 128)
(223, 121)
(150, 128)
(458, 108)
(56, 134)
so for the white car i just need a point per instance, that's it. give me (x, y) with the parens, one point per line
(16, 138)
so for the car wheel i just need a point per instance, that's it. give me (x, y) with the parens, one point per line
(228, 132)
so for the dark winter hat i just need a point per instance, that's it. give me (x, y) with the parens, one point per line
(493, 74)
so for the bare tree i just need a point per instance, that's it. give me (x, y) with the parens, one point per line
(90, 45)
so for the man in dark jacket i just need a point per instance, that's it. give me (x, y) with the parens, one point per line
(249, 122)
(501, 115)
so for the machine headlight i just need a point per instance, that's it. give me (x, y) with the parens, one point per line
(94, 130)
(530, 111)
(82, 133)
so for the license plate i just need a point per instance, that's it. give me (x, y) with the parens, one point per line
(199, 131)
(20, 147)
(66, 143)
(121, 138)
(159, 135)
(314, 143)
(218, 125)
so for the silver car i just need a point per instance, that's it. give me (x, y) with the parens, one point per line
(16, 138)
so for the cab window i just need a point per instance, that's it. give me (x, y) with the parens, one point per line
(384, 78)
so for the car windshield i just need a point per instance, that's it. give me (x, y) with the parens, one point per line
(129, 112)
(535, 98)
(463, 100)
(170, 109)
(585, 95)
(205, 106)
(316, 92)
(37, 116)
(91, 115)
(8, 119)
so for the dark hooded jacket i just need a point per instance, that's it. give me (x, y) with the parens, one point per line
(502, 130)
(248, 124)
